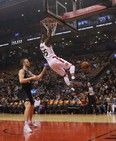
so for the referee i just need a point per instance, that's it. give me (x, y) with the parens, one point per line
(25, 78)
(91, 98)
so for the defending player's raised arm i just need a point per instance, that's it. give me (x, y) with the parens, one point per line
(38, 77)
(24, 80)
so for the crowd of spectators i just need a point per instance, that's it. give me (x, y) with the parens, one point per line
(106, 90)
(51, 90)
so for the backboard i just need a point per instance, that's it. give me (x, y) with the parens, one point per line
(68, 12)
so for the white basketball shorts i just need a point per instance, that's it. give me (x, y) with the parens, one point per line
(59, 65)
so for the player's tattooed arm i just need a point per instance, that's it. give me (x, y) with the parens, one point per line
(25, 80)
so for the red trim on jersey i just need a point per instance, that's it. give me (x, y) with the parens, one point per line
(64, 75)
(69, 67)
(58, 59)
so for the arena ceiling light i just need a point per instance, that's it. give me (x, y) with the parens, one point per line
(65, 32)
(90, 27)
(39, 10)
(3, 45)
(96, 42)
(106, 24)
(31, 39)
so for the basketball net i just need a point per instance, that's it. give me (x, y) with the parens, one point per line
(50, 23)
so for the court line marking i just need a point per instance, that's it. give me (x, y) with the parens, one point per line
(110, 138)
(6, 132)
(102, 135)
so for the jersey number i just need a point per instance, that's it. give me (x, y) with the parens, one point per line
(44, 52)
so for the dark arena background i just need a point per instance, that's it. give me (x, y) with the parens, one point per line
(85, 32)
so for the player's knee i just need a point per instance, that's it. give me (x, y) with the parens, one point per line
(72, 69)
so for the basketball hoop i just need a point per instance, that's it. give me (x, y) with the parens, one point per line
(49, 22)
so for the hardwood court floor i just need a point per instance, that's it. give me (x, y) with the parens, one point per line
(59, 128)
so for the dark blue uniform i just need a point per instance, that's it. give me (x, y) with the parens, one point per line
(25, 91)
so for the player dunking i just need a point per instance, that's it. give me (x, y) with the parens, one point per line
(25, 79)
(57, 64)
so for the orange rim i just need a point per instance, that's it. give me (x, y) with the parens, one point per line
(51, 20)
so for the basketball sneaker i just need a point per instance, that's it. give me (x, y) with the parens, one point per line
(27, 129)
(32, 123)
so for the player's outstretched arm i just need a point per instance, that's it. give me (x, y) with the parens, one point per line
(38, 77)
(48, 39)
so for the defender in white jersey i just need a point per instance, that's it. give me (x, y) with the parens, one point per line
(59, 65)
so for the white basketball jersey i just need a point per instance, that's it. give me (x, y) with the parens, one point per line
(47, 52)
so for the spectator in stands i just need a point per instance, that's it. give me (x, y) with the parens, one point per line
(114, 106)
(101, 104)
(110, 102)
(37, 105)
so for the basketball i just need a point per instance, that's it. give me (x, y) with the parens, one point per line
(84, 65)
